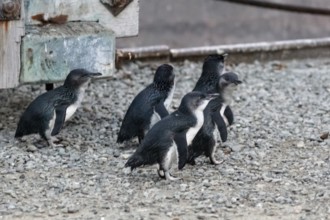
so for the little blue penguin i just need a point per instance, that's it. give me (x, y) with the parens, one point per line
(47, 113)
(167, 141)
(217, 113)
(213, 67)
(149, 106)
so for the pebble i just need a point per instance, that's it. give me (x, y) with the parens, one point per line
(116, 153)
(300, 144)
(324, 135)
(236, 147)
(61, 151)
(11, 206)
(52, 213)
(31, 148)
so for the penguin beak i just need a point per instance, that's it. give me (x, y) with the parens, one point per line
(211, 96)
(90, 74)
(237, 82)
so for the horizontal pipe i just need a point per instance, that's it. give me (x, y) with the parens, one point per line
(261, 49)
(251, 47)
(282, 7)
(143, 52)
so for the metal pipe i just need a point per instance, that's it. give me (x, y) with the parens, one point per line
(305, 48)
(282, 7)
(143, 52)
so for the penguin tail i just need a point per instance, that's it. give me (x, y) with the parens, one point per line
(122, 136)
(18, 134)
(134, 161)
(120, 139)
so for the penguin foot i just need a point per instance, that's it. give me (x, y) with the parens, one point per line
(52, 144)
(161, 173)
(192, 162)
(214, 161)
(55, 145)
(169, 177)
(55, 139)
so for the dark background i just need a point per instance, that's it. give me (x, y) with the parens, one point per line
(187, 23)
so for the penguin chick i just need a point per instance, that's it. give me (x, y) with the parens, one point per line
(217, 113)
(166, 142)
(48, 112)
(213, 67)
(149, 106)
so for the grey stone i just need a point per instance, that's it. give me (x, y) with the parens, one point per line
(31, 148)
(52, 213)
(236, 147)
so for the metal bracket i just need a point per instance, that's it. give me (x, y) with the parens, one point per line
(10, 10)
(116, 6)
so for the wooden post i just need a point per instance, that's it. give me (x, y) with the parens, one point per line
(11, 32)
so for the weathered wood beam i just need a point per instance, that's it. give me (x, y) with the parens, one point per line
(10, 61)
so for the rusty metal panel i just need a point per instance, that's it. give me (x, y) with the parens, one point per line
(10, 10)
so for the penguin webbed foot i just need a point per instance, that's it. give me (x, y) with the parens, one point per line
(51, 142)
(169, 177)
(161, 174)
(192, 161)
(214, 161)
(55, 139)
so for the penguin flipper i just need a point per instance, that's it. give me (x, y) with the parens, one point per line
(60, 118)
(182, 145)
(161, 110)
(229, 115)
(222, 127)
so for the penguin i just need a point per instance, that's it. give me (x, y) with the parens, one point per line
(216, 114)
(149, 106)
(213, 67)
(47, 113)
(166, 142)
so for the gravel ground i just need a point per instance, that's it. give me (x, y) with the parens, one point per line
(276, 166)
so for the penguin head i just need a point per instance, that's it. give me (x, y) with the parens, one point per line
(227, 84)
(164, 76)
(78, 77)
(196, 101)
(214, 63)
(229, 79)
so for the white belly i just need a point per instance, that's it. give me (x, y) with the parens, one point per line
(191, 133)
(215, 134)
(222, 113)
(154, 119)
(171, 157)
(52, 123)
(70, 111)
(169, 98)
(73, 108)
(155, 116)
